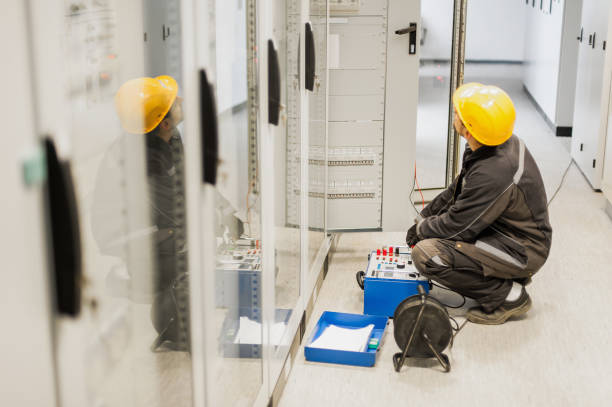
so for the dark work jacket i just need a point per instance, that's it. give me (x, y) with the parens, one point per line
(120, 234)
(166, 177)
(497, 207)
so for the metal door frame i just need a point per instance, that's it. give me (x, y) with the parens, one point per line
(456, 80)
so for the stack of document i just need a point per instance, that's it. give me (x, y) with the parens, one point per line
(349, 339)
(250, 332)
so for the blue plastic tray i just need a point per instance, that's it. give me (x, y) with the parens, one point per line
(366, 358)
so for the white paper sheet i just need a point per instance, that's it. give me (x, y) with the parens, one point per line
(250, 332)
(337, 338)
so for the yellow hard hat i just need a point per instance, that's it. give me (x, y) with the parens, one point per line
(486, 111)
(142, 103)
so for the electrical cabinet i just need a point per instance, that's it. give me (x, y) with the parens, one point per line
(358, 42)
(208, 239)
(592, 98)
(606, 184)
(213, 242)
(372, 99)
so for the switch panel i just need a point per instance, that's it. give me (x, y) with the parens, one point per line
(358, 43)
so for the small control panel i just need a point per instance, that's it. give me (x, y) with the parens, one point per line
(239, 257)
(394, 263)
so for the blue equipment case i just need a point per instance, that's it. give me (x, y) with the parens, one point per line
(389, 279)
(365, 358)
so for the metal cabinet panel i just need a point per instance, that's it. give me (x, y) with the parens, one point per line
(358, 7)
(360, 107)
(590, 112)
(373, 100)
(356, 133)
(347, 82)
(360, 42)
(353, 214)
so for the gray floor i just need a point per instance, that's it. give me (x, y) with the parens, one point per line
(556, 356)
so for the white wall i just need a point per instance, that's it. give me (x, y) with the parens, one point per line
(550, 58)
(495, 29)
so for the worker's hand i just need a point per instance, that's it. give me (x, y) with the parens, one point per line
(411, 236)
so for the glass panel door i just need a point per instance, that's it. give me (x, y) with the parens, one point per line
(317, 131)
(287, 172)
(123, 88)
(434, 92)
(236, 368)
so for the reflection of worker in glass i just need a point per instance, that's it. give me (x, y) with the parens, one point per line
(150, 107)
(488, 233)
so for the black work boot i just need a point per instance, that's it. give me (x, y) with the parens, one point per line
(503, 312)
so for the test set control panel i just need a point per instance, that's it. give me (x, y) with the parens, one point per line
(392, 262)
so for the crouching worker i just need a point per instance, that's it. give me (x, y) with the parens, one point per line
(488, 233)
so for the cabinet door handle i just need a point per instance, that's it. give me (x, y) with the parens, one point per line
(411, 30)
(209, 131)
(406, 30)
(310, 58)
(274, 85)
(65, 233)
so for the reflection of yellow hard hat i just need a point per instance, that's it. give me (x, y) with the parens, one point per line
(142, 103)
(486, 111)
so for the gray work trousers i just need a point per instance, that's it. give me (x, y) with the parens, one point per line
(440, 261)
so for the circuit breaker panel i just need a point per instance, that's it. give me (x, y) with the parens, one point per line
(361, 116)
(357, 67)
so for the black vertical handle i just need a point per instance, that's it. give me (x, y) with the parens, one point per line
(581, 34)
(209, 131)
(411, 30)
(412, 40)
(65, 233)
(311, 61)
(274, 85)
